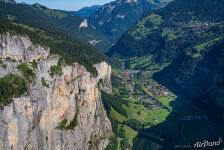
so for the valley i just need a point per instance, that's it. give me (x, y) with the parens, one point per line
(126, 75)
(153, 117)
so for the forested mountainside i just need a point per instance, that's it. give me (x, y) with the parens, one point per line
(86, 11)
(49, 86)
(202, 77)
(165, 89)
(41, 17)
(181, 27)
(187, 34)
(114, 18)
(70, 49)
(73, 23)
(181, 48)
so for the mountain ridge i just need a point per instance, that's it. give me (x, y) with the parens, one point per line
(183, 34)
(86, 11)
(114, 18)
(53, 20)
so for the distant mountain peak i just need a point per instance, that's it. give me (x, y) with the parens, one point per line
(116, 17)
(88, 10)
(39, 6)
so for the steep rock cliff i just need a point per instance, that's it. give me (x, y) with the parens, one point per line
(57, 112)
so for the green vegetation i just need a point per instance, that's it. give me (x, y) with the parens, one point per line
(117, 116)
(34, 64)
(144, 27)
(44, 83)
(155, 19)
(11, 86)
(2, 64)
(145, 63)
(130, 133)
(172, 31)
(137, 116)
(27, 72)
(118, 88)
(169, 34)
(134, 124)
(113, 144)
(56, 13)
(166, 100)
(68, 48)
(114, 102)
(63, 125)
(56, 70)
(201, 47)
(50, 12)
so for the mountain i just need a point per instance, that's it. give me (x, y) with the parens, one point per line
(41, 17)
(187, 35)
(49, 91)
(50, 83)
(181, 46)
(202, 77)
(72, 23)
(114, 18)
(86, 11)
(169, 31)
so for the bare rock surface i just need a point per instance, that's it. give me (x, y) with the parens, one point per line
(32, 120)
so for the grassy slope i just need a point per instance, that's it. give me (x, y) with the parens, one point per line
(136, 111)
(158, 121)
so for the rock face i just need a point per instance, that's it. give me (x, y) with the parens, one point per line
(104, 73)
(20, 48)
(33, 120)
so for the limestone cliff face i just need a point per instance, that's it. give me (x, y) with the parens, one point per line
(32, 120)
(104, 73)
(20, 48)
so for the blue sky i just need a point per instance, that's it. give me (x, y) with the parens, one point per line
(66, 4)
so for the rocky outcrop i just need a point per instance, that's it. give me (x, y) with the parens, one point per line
(104, 73)
(20, 48)
(34, 120)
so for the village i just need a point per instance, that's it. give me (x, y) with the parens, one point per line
(143, 88)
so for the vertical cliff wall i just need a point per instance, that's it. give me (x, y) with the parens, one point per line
(62, 111)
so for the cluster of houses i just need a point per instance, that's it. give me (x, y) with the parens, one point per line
(149, 100)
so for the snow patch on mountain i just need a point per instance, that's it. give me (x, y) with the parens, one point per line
(94, 42)
(84, 24)
(131, 1)
(120, 16)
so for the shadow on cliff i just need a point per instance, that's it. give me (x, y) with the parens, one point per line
(189, 121)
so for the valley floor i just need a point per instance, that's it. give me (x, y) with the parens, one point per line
(155, 117)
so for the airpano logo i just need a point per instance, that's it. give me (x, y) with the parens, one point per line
(206, 143)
